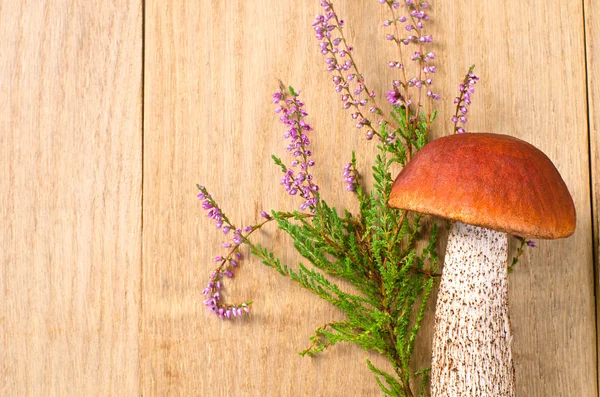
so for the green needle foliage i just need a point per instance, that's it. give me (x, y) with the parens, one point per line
(376, 252)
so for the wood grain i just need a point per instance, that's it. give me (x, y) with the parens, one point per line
(70, 74)
(592, 25)
(210, 70)
(70, 203)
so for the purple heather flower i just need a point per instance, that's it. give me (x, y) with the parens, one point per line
(531, 243)
(224, 311)
(209, 301)
(237, 239)
(265, 215)
(328, 30)
(350, 177)
(414, 23)
(213, 211)
(212, 290)
(463, 100)
(394, 97)
(293, 117)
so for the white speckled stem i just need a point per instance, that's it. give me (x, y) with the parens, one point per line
(471, 345)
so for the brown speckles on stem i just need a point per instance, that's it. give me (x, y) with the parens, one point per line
(471, 347)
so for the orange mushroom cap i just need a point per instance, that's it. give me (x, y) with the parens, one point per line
(489, 180)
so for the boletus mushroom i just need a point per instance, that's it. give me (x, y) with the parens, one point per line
(489, 185)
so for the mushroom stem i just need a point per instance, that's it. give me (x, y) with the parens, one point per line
(471, 345)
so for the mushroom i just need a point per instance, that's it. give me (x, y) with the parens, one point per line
(489, 185)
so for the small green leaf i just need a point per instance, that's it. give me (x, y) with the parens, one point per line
(278, 162)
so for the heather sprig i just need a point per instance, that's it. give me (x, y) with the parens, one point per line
(523, 243)
(351, 175)
(463, 100)
(410, 90)
(227, 263)
(409, 120)
(293, 117)
(348, 80)
(375, 250)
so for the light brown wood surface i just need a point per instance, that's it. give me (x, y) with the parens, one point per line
(101, 279)
(70, 203)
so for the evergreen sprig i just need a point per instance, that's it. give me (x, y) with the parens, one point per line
(374, 251)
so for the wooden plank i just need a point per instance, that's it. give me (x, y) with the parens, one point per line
(70, 205)
(592, 31)
(210, 70)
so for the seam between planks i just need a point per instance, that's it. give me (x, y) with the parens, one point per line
(593, 204)
(141, 290)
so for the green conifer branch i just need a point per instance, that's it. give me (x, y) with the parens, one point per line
(375, 252)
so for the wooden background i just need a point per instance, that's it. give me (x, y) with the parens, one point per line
(113, 110)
